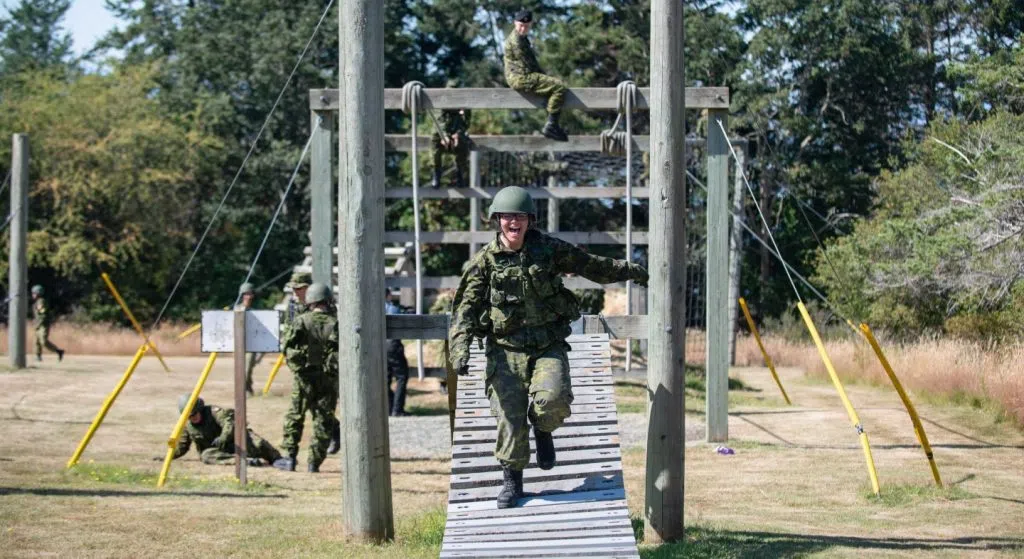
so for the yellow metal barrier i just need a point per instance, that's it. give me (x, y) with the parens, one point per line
(106, 406)
(172, 442)
(273, 373)
(842, 395)
(131, 317)
(922, 438)
(192, 330)
(764, 352)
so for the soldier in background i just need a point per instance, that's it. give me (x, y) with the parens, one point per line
(298, 283)
(512, 296)
(455, 125)
(523, 73)
(247, 292)
(310, 346)
(212, 430)
(44, 319)
(398, 366)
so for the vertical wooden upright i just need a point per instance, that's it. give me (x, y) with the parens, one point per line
(366, 485)
(474, 202)
(17, 280)
(321, 197)
(717, 270)
(241, 452)
(663, 497)
(736, 251)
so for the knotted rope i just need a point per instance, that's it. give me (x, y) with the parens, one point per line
(613, 142)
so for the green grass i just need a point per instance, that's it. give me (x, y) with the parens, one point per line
(119, 475)
(906, 495)
(424, 532)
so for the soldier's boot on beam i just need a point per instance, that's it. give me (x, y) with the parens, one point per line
(553, 130)
(436, 181)
(286, 464)
(545, 449)
(313, 468)
(512, 490)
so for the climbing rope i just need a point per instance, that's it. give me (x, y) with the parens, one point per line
(411, 93)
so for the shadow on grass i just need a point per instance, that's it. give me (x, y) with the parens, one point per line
(425, 411)
(68, 492)
(741, 544)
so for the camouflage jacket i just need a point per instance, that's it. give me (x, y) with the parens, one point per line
(42, 312)
(519, 58)
(310, 346)
(516, 298)
(216, 423)
(452, 122)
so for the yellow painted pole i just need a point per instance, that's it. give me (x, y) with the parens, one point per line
(764, 352)
(922, 438)
(172, 442)
(192, 330)
(273, 373)
(131, 317)
(106, 406)
(854, 419)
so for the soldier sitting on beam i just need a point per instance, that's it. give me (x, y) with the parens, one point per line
(523, 73)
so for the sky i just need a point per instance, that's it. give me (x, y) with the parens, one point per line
(87, 21)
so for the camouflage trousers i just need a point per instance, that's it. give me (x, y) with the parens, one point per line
(461, 152)
(255, 447)
(543, 85)
(321, 410)
(254, 359)
(526, 386)
(43, 339)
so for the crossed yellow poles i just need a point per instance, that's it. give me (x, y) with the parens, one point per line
(131, 317)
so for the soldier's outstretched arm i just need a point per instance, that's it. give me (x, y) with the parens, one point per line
(470, 301)
(184, 443)
(570, 259)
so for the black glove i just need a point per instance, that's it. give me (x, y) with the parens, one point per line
(463, 371)
(640, 275)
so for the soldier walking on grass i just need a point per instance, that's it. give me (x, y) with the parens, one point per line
(247, 292)
(310, 346)
(512, 296)
(523, 73)
(455, 125)
(212, 430)
(44, 319)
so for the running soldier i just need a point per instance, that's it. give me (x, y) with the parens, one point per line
(44, 319)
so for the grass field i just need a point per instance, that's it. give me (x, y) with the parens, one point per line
(797, 485)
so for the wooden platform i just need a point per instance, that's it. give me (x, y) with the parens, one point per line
(577, 509)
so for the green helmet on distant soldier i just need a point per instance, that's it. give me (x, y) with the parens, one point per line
(183, 401)
(318, 293)
(300, 279)
(38, 289)
(512, 200)
(246, 288)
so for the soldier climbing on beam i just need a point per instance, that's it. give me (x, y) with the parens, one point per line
(512, 296)
(455, 126)
(523, 73)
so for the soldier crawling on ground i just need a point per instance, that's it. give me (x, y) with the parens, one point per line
(310, 346)
(44, 319)
(523, 73)
(455, 126)
(212, 430)
(512, 296)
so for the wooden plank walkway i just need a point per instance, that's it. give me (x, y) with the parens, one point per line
(576, 509)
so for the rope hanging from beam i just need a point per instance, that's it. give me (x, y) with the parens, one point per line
(613, 142)
(411, 97)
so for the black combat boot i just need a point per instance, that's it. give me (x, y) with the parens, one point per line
(286, 464)
(313, 468)
(436, 181)
(512, 490)
(335, 445)
(553, 130)
(398, 402)
(545, 449)
(60, 355)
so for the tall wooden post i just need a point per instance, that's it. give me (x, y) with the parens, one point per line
(736, 251)
(17, 306)
(366, 485)
(663, 510)
(321, 197)
(474, 203)
(717, 270)
(241, 452)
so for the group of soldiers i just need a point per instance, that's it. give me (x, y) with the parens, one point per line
(523, 73)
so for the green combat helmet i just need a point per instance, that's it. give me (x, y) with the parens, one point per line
(183, 401)
(246, 288)
(513, 200)
(37, 290)
(318, 293)
(300, 279)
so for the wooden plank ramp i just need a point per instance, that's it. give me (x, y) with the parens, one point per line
(576, 509)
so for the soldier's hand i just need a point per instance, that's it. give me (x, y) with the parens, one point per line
(455, 140)
(444, 143)
(640, 275)
(217, 442)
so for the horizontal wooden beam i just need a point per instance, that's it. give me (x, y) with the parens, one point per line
(402, 143)
(435, 326)
(586, 98)
(558, 192)
(452, 282)
(481, 237)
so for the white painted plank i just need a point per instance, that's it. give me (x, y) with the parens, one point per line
(566, 431)
(470, 403)
(485, 411)
(570, 456)
(544, 500)
(468, 515)
(561, 443)
(562, 486)
(621, 552)
(562, 471)
(556, 543)
(541, 537)
(554, 521)
(583, 418)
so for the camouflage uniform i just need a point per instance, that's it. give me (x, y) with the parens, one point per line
(44, 319)
(523, 72)
(516, 301)
(310, 346)
(452, 123)
(214, 438)
(398, 368)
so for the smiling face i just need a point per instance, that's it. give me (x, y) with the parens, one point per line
(513, 229)
(523, 27)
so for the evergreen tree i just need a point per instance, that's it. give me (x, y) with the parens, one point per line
(32, 37)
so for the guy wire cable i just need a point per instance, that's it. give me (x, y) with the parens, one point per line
(252, 148)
